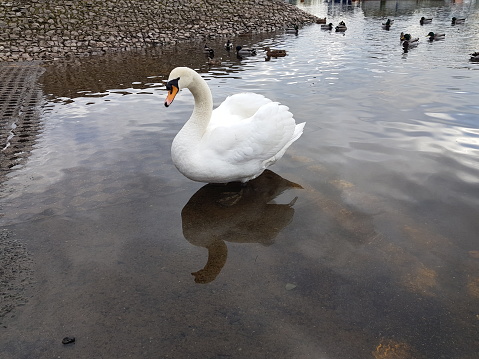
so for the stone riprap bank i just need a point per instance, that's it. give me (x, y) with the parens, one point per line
(51, 29)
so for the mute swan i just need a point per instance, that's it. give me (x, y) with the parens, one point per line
(235, 142)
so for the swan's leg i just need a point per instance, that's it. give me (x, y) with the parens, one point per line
(231, 198)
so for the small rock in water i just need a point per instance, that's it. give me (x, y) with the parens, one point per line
(68, 340)
(290, 286)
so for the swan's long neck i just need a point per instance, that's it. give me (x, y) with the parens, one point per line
(203, 105)
(183, 149)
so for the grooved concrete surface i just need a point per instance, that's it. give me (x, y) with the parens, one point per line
(20, 103)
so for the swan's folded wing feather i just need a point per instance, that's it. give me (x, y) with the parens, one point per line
(261, 138)
(237, 107)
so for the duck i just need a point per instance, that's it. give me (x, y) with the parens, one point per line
(408, 44)
(241, 51)
(235, 142)
(327, 27)
(207, 49)
(292, 30)
(212, 60)
(474, 56)
(341, 28)
(275, 53)
(455, 21)
(408, 37)
(228, 45)
(425, 21)
(321, 20)
(386, 25)
(433, 36)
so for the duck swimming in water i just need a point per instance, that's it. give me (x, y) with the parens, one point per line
(327, 27)
(455, 21)
(425, 21)
(433, 36)
(242, 51)
(341, 27)
(274, 52)
(292, 30)
(387, 25)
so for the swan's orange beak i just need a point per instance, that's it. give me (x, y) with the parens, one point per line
(171, 95)
(173, 88)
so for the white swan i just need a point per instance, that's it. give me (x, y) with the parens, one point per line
(235, 142)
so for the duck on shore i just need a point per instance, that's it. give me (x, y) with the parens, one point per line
(228, 45)
(207, 49)
(211, 59)
(321, 21)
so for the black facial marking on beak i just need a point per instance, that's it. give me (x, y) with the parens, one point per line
(173, 88)
(171, 83)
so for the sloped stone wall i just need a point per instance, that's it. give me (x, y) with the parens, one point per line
(49, 29)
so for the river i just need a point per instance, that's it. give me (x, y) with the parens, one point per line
(362, 241)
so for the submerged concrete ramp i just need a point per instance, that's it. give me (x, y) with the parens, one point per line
(20, 104)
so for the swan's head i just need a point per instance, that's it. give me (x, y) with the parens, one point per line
(179, 78)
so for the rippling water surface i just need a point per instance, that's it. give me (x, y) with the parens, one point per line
(363, 242)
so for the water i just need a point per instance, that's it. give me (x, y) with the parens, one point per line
(376, 256)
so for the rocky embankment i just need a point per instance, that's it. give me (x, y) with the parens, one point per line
(52, 29)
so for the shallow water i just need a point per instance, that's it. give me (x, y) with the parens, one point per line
(376, 256)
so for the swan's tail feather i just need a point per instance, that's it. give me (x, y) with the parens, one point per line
(298, 131)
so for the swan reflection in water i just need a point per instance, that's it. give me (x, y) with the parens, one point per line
(235, 213)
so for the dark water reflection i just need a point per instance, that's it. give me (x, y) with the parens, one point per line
(376, 258)
(233, 213)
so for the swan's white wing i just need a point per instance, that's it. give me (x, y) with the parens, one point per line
(236, 108)
(258, 140)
